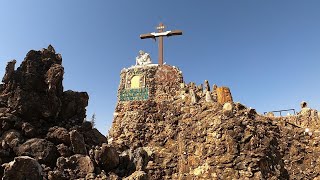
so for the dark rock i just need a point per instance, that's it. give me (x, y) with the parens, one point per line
(58, 135)
(94, 137)
(80, 165)
(23, 167)
(12, 138)
(9, 71)
(42, 150)
(64, 150)
(73, 105)
(106, 157)
(77, 143)
(28, 130)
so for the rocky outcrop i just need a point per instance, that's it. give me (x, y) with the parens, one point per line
(203, 134)
(162, 129)
(43, 134)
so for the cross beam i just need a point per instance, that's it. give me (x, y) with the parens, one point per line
(160, 34)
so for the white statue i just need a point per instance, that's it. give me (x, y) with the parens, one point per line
(143, 58)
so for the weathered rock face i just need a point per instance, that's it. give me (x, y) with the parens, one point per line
(198, 134)
(42, 150)
(162, 129)
(23, 167)
(41, 125)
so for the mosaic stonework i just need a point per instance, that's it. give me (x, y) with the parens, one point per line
(139, 94)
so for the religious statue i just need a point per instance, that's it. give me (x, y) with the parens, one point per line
(143, 58)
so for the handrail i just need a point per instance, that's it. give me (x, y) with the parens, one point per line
(294, 111)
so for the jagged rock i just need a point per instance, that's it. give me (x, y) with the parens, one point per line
(160, 137)
(64, 150)
(140, 159)
(80, 165)
(138, 175)
(12, 138)
(58, 135)
(77, 143)
(206, 85)
(8, 121)
(107, 157)
(73, 105)
(23, 167)
(94, 137)
(42, 150)
(54, 78)
(9, 71)
(28, 130)
(224, 95)
(208, 97)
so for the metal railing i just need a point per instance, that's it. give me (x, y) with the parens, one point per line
(280, 111)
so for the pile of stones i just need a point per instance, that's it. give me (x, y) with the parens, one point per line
(43, 132)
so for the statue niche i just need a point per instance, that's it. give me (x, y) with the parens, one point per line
(136, 81)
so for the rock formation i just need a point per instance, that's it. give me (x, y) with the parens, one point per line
(190, 135)
(43, 134)
(163, 128)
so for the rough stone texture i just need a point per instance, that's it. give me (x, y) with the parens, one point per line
(42, 150)
(224, 95)
(106, 157)
(80, 165)
(190, 138)
(77, 142)
(58, 135)
(23, 167)
(227, 109)
(138, 175)
(173, 132)
(36, 117)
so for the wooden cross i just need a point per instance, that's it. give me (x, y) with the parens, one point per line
(160, 35)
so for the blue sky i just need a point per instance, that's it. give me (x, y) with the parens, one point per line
(267, 52)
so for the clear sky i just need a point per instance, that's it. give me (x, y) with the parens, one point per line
(267, 52)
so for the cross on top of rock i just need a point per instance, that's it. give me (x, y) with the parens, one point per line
(160, 34)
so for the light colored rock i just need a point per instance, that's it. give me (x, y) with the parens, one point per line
(193, 97)
(138, 175)
(208, 97)
(270, 114)
(227, 109)
(305, 112)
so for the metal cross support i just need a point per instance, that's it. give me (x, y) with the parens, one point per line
(160, 35)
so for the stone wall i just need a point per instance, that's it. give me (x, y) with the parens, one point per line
(199, 133)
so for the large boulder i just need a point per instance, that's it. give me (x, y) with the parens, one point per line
(74, 106)
(80, 165)
(77, 142)
(94, 137)
(106, 157)
(22, 168)
(42, 150)
(58, 135)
